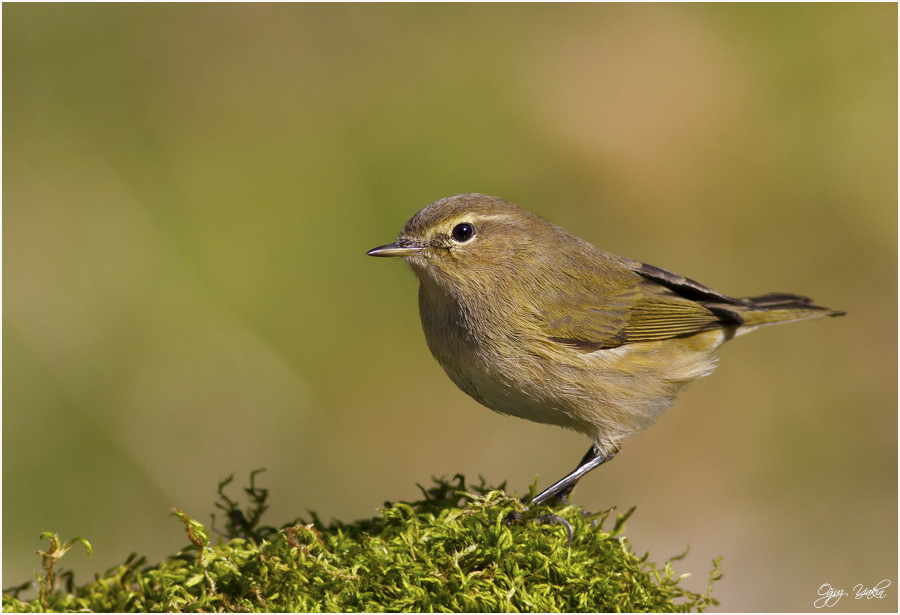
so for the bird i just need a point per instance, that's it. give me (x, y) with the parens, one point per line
(534, 322)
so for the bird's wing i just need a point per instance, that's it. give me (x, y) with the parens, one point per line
(641, 304)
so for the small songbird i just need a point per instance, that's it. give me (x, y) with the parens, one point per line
(534, 322)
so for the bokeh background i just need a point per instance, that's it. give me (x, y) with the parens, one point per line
(189, 192)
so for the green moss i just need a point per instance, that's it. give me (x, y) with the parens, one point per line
(451, 551)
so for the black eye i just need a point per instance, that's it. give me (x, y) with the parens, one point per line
(463, 232)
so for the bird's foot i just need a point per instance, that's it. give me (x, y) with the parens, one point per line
(552, 519)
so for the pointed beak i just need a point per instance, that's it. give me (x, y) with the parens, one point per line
(403, 247)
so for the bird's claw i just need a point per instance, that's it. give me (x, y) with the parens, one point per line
(513, 517)
(517, 517)
(554, 520)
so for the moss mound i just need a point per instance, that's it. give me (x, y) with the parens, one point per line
(451, 551)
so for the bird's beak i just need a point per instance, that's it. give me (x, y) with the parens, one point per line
(403, 247)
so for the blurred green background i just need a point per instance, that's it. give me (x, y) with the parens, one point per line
(189, 192)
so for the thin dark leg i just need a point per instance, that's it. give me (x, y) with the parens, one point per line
(563, 496)
(559, 491)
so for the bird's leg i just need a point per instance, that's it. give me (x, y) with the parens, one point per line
(559, 491)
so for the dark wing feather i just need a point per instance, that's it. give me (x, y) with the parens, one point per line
(686, 287)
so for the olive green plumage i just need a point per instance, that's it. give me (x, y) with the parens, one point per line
(534, 322)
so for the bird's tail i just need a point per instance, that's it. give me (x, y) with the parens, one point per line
(773, 308)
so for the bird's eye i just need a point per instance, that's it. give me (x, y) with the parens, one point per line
(463, 232)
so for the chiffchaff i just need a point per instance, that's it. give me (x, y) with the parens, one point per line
(534, 322)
